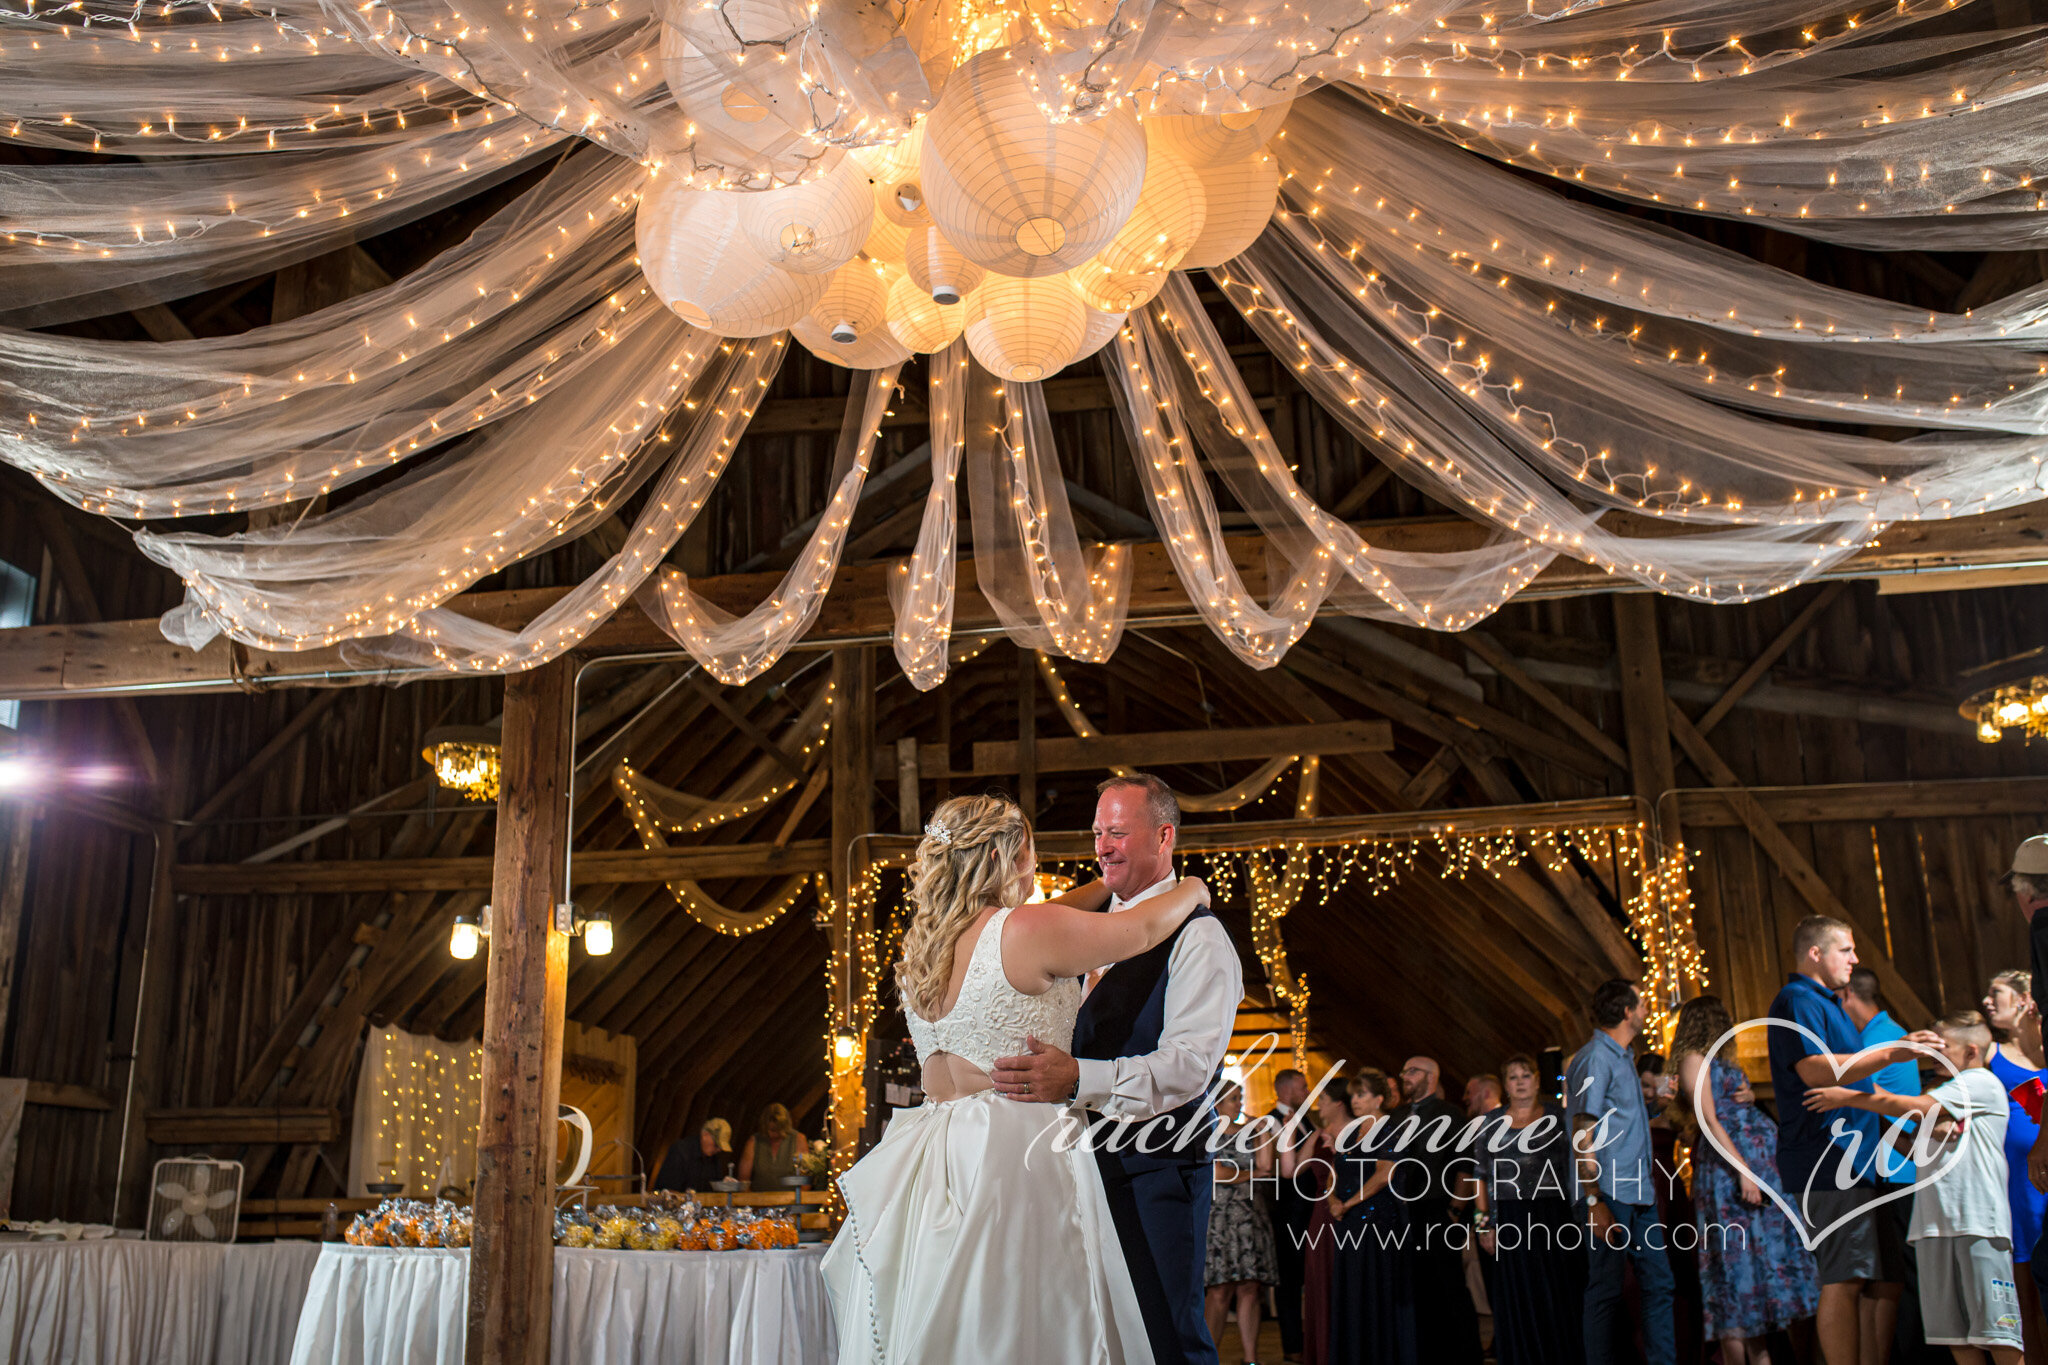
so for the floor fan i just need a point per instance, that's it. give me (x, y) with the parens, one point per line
(195, 1200)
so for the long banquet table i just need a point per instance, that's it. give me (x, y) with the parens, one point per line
(119, 1301)
(406, 1306)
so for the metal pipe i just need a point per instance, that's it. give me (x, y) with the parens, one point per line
(156, 868)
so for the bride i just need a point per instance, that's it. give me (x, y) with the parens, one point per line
(970, 1234)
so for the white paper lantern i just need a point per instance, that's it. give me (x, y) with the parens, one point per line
(878, 350)
(722, 133)
(1014, 190)
(918, 321)
(887, 243)
(855, 303)
(1132, 269)
(899, 196)
(1205, 140)
(1100, 328)
(815, 227)
(938, 268)
(701, 265)
(1241, 199)
(1025, 329)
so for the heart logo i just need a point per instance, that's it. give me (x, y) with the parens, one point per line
(1798, 1216)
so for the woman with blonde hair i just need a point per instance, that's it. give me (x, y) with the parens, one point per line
(1756, 1276)
(768, 1161)
(977, 1229)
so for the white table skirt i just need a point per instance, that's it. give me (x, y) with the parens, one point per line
(406, 1306)
(119, 1301)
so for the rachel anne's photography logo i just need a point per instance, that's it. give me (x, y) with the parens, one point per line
(1847, 1154)
(1440, 1159)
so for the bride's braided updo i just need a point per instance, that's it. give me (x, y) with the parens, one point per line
(966, 862)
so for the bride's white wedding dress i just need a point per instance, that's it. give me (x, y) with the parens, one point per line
(968, 1237)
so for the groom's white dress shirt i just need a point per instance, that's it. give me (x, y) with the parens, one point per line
(1204, 984)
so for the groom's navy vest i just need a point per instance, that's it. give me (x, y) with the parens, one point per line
(1123, 1017)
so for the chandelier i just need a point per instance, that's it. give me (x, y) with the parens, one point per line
(1009, 172)
(2016, 699)
(465, 759)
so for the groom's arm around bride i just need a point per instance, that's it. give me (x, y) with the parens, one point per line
(1148, 1045)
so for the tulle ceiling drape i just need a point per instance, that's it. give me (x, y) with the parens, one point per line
(1532, 357)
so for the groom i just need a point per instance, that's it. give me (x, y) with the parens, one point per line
(1149, 1041)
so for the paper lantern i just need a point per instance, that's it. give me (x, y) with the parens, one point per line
(815, 227)
(1168, 220)
(725, 133)
(938, 268)
(1206, 140)
(1241, 199)
(918, 321)
(701, 265)
(1025, 328)
(855, 302)
(1095, 335)
(878, 350)
(898, 195)
(1014, 190)
(887, 243)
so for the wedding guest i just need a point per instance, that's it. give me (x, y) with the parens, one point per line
(1312, 1168)
(1756, 1276)
(1863, 1257)
(1538, 1290)
(1429, 1176)
(1616, 1180)
(1674, 1208)
(1241, 1260)
(1482, 1095)
(2016, 1058)
(1290, 1214)
(1371, 1309)
(769, 1158)
(1892, 1172)
(697, 1163)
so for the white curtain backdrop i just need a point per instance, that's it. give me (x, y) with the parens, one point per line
(417, 1104)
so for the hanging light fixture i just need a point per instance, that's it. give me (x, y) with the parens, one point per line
(465, 759)
(2012, 698)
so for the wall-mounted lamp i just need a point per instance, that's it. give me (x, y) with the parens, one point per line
(842, 1046)
(466, 935)
(596, 929)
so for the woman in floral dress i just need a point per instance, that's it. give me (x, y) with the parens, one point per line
(1756, 1276)
(1242, 1260)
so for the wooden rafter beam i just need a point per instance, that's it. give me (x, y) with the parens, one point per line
(608, 867)
(1168, 747)
(46, 662)
(1770, 654)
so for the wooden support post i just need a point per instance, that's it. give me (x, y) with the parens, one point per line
(1642, 696)
(511, 1267)
(909, 818)
(17, 826)
(853, 816)
(1027, 733)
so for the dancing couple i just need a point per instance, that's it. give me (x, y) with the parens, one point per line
(983, 1227)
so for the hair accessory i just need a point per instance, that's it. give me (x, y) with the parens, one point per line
(934, 830)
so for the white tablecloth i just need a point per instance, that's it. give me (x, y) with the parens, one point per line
(406, 1306)
(121, 1301)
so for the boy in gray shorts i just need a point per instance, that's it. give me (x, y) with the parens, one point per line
(1961, 1225)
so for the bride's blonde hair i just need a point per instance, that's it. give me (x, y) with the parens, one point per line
(966, 862)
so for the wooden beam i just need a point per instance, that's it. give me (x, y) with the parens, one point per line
(1794, 867)
(1163, 748)
(1023, 752)
(603, 867)
(1503, 663)
(69, 1096)
(1863, 802)
(853, 820)
(17, 829)
(909, 819)
(1642, 696)
(754, 733)
(1431, 778)
(44, 662)
(511, 1262)
(204, 1127)
(259, 762)
(1761, 664)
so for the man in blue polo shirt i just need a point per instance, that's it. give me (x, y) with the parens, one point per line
(1826, 1160)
